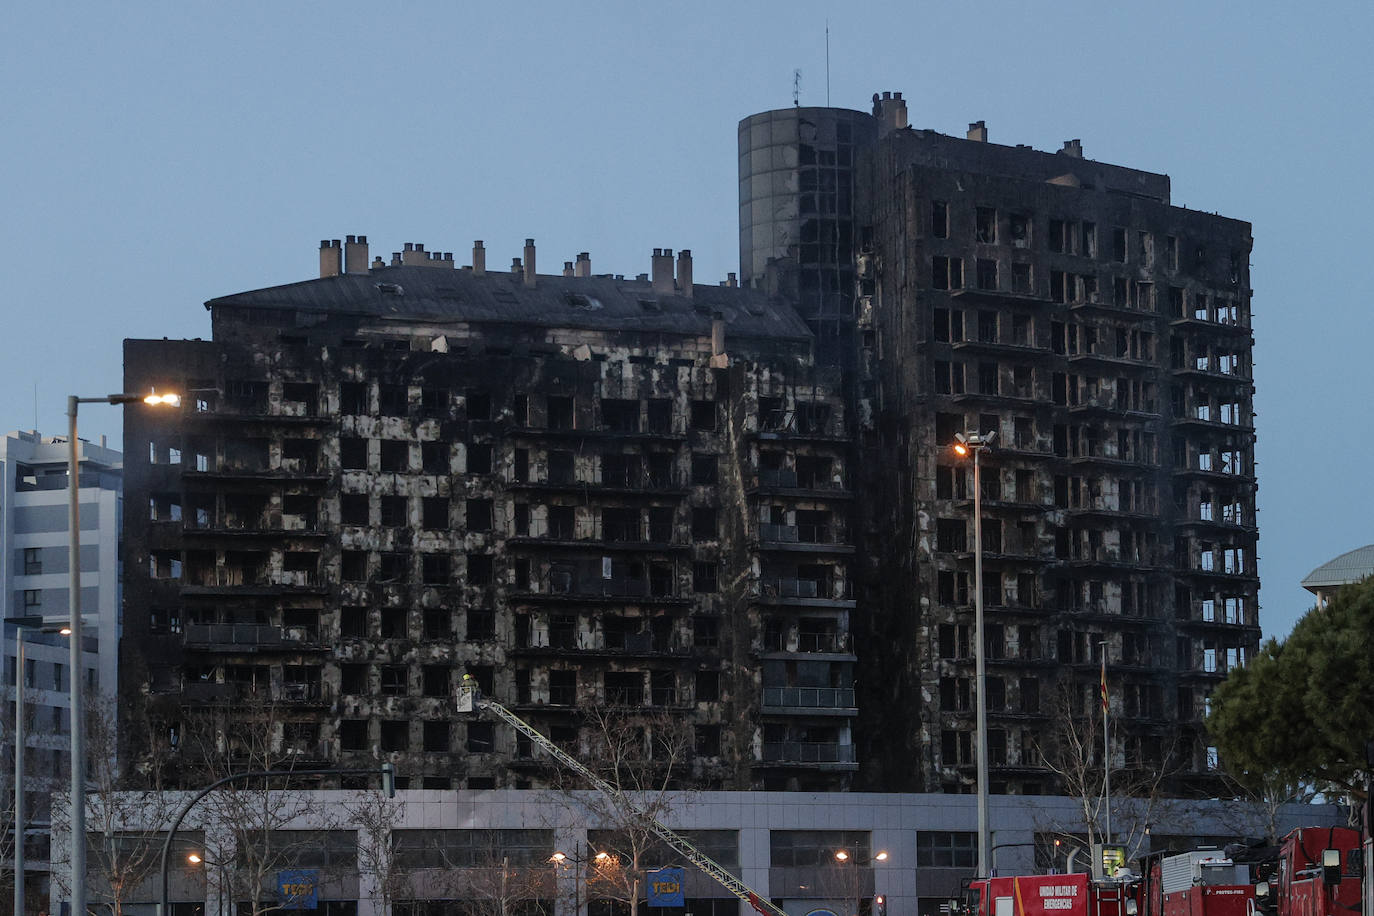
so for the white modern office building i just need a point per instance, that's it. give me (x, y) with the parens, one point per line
(34, 575)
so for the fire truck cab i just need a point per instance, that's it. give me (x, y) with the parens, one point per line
(1319, 874)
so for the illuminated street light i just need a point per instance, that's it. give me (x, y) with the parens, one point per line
(974, 444)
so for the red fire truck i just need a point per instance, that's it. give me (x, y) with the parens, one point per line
(1049, 895)
(1318, 873)
(1203, 882)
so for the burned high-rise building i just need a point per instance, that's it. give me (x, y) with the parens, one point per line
(733, 504)
(1104, 336)
(584, 491)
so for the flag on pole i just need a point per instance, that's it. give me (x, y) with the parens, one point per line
(1104, 682)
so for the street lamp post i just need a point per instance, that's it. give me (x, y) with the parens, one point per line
(560, 859)
(34, 623)
(196, 858)
(1106, 753)
(964, 445)
(855, 877)
(78, 723)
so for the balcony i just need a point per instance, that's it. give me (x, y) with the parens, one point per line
(808, 644)
(1111, 362)
(808, 752)
(293, 473)
(810, 484)
(1113, 310)
(650, 483)
(801, 539)
(804, 592)
(593, 589)
(1106, 406)
(810, 700)
(1194, 323)
(1116, 461)
(249, 637)
(1101, 557)
(800, 425)
(823, 642)
(646, 433)
(610, 538)
(1001, 348)
(307, 694)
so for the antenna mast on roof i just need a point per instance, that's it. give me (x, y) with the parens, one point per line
(796, 88)
(827, 63)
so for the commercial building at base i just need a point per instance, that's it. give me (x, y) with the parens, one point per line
(716, 505)
(441, 850)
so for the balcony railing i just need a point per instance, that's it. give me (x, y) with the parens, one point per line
(810, 697)
(778, 477)
(301, 693)
(823, 642)
(807, 752)
(248, 634)
(232, 634)
(798, 534)
(785, 587)
(593, 587)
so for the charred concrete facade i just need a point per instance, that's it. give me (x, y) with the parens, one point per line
(1104, 335)
(585, 491)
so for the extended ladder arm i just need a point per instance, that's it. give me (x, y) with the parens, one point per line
(470, 699)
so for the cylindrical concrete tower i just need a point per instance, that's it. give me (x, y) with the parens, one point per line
(796, 201)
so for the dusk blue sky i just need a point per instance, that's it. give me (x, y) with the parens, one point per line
(158, 155)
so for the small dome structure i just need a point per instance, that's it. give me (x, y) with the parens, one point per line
(1346, 569)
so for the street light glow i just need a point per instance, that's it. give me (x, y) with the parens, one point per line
(194, 859)
(558, 857)
(842, 856)
(881, 857)
(155, 399)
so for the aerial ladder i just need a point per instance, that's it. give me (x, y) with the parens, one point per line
(470, 699)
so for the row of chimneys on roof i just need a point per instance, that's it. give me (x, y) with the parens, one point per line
(978, 132)
(351, 257)
(890, 109)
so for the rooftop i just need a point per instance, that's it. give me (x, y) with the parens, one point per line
(1346, 569)
(602, 302)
